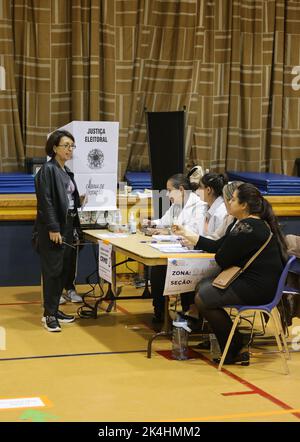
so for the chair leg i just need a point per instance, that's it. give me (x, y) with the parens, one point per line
(236, 321)
(262, 320)
(281, 332)
(252, 331)
(277, 337)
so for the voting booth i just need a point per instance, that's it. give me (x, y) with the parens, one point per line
(95, 162)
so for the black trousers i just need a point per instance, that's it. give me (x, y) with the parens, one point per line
(69, 277)
(58, 263)
(157, 278)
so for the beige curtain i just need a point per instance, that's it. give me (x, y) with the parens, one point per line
(229, 62)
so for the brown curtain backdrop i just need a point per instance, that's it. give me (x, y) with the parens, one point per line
(229, 62)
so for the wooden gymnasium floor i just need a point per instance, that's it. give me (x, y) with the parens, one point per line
(97, 370)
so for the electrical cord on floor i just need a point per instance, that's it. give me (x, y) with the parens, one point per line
(87, 310)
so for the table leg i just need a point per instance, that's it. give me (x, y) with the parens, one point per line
(112, 287)
(166, 328)
(146, 293)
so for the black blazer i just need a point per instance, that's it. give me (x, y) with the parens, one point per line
(51, 183)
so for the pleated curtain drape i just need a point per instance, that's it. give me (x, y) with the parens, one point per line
(230, 62)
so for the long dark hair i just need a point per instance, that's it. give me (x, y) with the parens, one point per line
(216, 181)
(258, 205)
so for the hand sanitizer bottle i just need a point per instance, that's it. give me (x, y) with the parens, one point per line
(118, 217)
(132, 223)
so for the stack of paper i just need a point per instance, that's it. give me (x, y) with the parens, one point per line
(173, 248)
(166, 238)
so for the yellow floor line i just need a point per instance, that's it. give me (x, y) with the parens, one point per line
(235, 416)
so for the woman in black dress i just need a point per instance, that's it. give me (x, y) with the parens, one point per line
(255, 286)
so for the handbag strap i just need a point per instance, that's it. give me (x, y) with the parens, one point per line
(258, 251)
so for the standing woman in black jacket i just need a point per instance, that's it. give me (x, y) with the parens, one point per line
(57, 217)
(258, 283)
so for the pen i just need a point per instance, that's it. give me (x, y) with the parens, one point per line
(149, 242)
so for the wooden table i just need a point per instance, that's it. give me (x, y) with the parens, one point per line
(137, 247)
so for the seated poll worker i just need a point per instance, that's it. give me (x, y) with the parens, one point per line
(258, 283)
(188, 210)
(190, 239)
(211, 186)
(57, 219)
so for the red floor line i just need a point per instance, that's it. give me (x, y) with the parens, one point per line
(21, 303)
(237, 393)
(253, 387)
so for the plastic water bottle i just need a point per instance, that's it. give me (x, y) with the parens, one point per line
(214, 346)
(118, 217)
(132, 223)
(180, 337)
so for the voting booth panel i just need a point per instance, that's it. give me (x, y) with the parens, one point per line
(95, 162)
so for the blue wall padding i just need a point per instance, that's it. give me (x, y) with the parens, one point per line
(16, 183)
(269, 183)
(139, 180)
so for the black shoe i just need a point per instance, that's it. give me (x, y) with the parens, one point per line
(237, 344)
(183, 315)
(242, 359)
(51, 323)
(195, 324)
(62, 317)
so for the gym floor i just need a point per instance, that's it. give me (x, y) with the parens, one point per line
(97, 370)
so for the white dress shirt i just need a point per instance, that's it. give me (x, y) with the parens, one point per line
(215, 216)
(192, 216)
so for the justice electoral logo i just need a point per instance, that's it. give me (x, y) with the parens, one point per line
(95, 159)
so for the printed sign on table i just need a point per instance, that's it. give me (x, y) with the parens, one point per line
(105, 265)
(184, 273)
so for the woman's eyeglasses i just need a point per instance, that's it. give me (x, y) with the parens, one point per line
(68, 146)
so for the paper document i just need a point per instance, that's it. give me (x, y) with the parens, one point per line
(112, 235)
(166, 238)
(173, 248)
